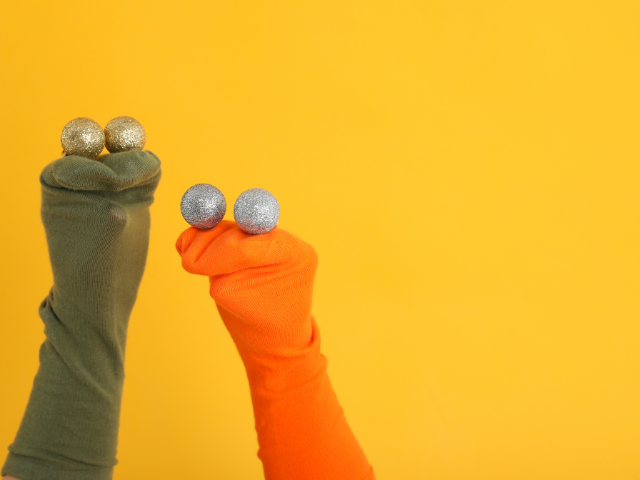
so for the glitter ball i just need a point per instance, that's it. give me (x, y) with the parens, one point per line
(82, 136)
(203, 206)
(124, 133)
(256, 211)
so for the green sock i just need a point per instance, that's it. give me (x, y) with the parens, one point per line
(96, 219)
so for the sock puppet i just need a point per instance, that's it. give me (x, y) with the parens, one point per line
(263, 286)
(96, 219)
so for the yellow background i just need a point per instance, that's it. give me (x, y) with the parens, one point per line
(467, 171)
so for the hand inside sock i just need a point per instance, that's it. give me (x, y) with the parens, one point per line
(263, 288)
(96, 219)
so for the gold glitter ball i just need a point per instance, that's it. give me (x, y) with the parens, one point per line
(124, 133)
(82, 136)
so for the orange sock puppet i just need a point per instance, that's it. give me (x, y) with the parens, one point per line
(263, 287)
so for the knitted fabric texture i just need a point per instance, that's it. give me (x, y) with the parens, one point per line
(96, 219)
(263, 288)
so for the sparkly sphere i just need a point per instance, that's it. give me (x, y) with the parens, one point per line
(203, 206)
(82, 136)
(124, 133)
(256, 211)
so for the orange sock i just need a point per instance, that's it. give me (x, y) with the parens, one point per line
(263, 287)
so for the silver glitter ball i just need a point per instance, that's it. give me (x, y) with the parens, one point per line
(123, 134)
(203, 206)
(256, 211)
(82, 136)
